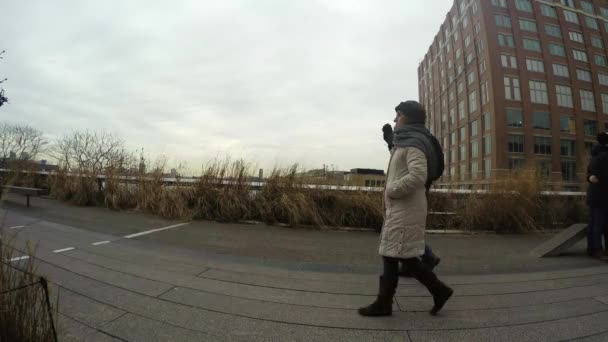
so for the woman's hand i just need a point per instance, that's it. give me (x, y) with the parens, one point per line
(593, 179)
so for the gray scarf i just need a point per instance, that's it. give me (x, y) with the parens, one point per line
(416, 135)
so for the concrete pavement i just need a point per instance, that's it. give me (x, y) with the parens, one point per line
(205, 281)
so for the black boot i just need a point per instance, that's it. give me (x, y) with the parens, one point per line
(440, 291)
(383, 306)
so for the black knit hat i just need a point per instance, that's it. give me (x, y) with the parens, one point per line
(413, 111)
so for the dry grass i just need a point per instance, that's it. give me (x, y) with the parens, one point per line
(223, 193)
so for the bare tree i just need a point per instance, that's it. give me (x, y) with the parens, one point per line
(3, 98)
(91, 152)
(20, 142)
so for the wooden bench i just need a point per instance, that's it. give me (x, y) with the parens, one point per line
(27, 192)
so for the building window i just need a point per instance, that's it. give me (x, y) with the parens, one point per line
(535, 65)
(484, 93)
(528, 25)
(458, 52)
(508, 61)
(453, 138)
(553, 31)
(590, 127)
(469, 58)
(544, 167)
(548, 11)
(463, 152)
(542, 145)
(512, 90)
(531, 44)
(605, 103)
(588, 147)
(523, 5)
(467, 41)
(472, 102)
(603, 78)
(471, 78)
(506, 40)
(487, 145)
(561, 70)
(516, 163)
(567, 148)
(460, 87)
(583, 75)
(576, 36)
(568, 170)
(487, 164)
(569, 3)
(591, 23)
(474, 169)
(487, 124)
(474, 149)
(541, 120)
(557, 50)
(500, 3)
(567, 124)
(580, 55)
(452, 116)
(455, 35)
(587, 100)
(461, 110)
(597, 42)
(462, 133)
(564, 96)
(477, 28)
(587, 7)
(482, 66)
(538, 92)
(600, 60)
(571, 17)
(463, 172)
(514, 118)
(516, 143)
(604, 12)
(473, 128)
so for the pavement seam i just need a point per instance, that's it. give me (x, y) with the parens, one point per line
(283, 322)
(311, 306)
(169, 290)
(580, 337)
(199, 275)
(92, 327)
(129, 312)
(288, 323)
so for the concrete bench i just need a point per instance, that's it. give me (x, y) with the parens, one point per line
(27, 192)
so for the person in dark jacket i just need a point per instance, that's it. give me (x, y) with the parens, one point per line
(429, 259)
(597, 198)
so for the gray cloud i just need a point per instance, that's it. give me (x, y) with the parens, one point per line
(270, 81)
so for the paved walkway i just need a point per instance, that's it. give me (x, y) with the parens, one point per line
(131, 277)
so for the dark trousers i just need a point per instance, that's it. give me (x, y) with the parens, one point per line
(598, 227)
(415, 266)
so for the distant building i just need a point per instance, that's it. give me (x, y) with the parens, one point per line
(510, 83)
(366, 177)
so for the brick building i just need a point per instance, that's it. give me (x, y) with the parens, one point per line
(509, 83)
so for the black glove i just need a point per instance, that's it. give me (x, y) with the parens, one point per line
(388, 135)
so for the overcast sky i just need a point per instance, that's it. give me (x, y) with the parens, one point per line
(273, 82)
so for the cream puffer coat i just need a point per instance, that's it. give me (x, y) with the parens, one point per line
(405, 204)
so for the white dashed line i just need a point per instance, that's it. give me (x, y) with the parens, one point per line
(64, 250)
(16, 227)
(25, 257)
(155, 230)
(100, 243)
